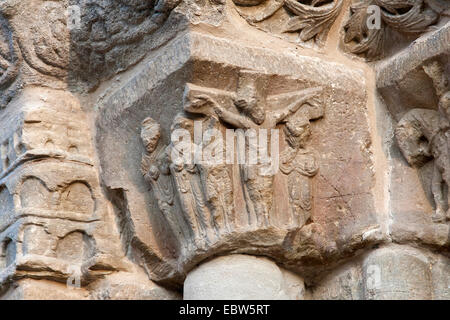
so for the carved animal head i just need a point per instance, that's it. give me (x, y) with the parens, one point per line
(413, 134)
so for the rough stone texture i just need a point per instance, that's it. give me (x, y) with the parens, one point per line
(29, 289)
(93, 205)
(242, 277)
(344, 283)
(397, 274)
(441, 280)
(392, 272)
(419, 158)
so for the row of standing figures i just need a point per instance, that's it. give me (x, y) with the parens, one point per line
(205, 192)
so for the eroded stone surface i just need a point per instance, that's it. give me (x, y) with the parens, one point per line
(242, 277)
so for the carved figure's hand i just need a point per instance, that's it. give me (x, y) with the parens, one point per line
(218, 110)
(201, 100)
(439, 215)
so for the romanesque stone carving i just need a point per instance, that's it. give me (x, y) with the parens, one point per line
(424, 134)
(197, 198)
(217, 185)
(44, 44)
(311, 19)
(366, 32)
(299, 162)
(252, 114)
(202, 96)
(62, 43)
(110, 30)
(9, 64)
(53, 220)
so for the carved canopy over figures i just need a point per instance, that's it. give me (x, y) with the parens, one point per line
(205, 202)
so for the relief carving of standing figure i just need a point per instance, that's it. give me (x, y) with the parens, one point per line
(217, 185)
(187, 181)
(155, 168)
(299, 162)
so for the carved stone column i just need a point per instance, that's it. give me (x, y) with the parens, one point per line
(242, 277)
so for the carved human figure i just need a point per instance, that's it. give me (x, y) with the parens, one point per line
(217, 184)
(155, 168)
(299, 162)
(252, 114)
(187, 180)
(440, 147)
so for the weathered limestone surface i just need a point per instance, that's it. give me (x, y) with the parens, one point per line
(414, 84)
(242, 277)
(390, 272)
(354, 203)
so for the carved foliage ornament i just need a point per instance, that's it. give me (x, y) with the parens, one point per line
(405, 16)
(312, 19)
(112, 29)
(80, 39)
(9, 63)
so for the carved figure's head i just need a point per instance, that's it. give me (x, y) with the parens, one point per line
(247, 99)
(150, 134)
(183, 123)
(297, 132)
(412, 138)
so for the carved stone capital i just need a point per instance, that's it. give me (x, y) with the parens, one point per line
(197, 211)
